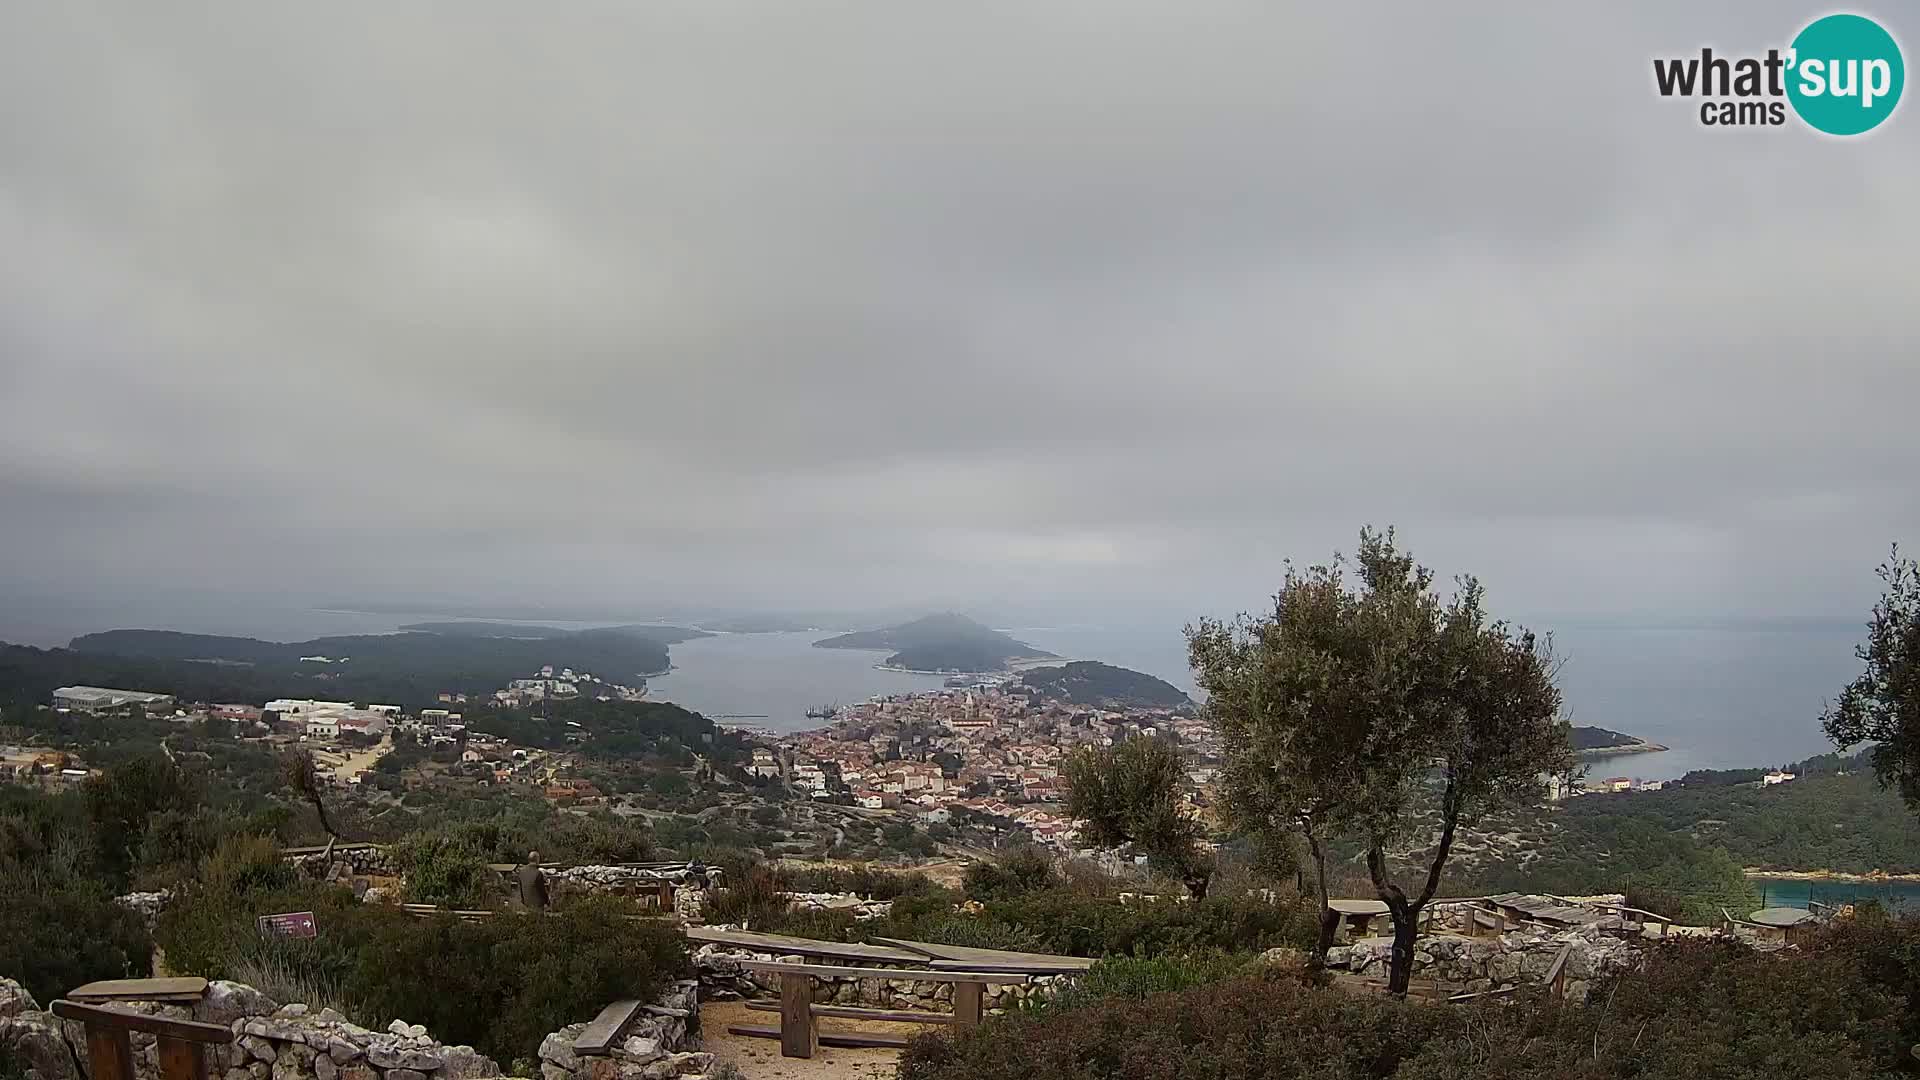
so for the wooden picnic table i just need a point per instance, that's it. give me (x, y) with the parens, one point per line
(799, 1032)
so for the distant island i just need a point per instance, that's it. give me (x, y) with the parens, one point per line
(665, 635)
(407, 668)
(1599, 741)
(1089, 682)
(944, 644)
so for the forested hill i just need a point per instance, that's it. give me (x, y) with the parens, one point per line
(402, 669)
(1089, 682)
(1599, 738)
(946, 642)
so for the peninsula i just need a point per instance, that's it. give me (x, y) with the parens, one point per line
(947, 643)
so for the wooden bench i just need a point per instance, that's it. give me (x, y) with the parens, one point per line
(799, 1031)
(181, 1043)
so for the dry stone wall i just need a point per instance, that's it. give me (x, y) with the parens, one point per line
(294, 1042)
(1516, 958)
(724, 978)
(662, 1043)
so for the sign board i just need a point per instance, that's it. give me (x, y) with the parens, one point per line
(293, 924)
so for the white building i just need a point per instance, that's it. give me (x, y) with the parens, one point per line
(95, 698)
(323, 727)
(1776, 777)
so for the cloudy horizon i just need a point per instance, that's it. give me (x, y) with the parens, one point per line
(1062, 312)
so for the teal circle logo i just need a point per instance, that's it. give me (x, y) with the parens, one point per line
(1845, 74)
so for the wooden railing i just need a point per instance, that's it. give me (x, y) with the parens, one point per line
(182, 1043)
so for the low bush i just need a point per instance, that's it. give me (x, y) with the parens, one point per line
(58, 932)
(876, 884)
(1698, 1010)
(1018, 872)
(1137, 977)
(502, 984)
(444, 869)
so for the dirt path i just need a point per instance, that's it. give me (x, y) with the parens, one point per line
(759, 1059)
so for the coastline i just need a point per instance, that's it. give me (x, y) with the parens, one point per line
(1641, 746)
(1826, 875)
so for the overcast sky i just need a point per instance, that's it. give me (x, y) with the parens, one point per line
(1085, 311)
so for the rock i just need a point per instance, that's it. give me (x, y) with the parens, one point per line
(405, 1074)
(691, 1064)
(258, 1048)
(1339, 955)
(343, 1051)
(400, 1027)
(638, 1049)
(14, 999)
(358, 1072)
(324, 1068)
(388, 1054)
(289, 1067)
(1292, 959)
(465, 1063)
(558, 1047)
(259, 1070)
(550, 1071)
(225, 1002)
(291, 1012)
(34, 1040)
(272, 1029)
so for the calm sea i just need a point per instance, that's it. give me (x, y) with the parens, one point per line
(1791, 892)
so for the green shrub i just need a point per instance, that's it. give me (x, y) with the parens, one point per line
(58, 932)
(502, 984)
(1136, 977)
(1698, 1010)
(442, 868)
(1023, 870)
(753, 899)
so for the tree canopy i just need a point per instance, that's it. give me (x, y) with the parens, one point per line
(1361, 702)
(1129, 794)
(1882, 705)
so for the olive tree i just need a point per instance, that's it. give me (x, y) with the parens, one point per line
(1882, 705)
(1372, 707)
(1130, 795)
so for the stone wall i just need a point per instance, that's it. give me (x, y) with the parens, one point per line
(294, 1042)
(722, 978)
(1516, 958)
(367, 861)
(662, 1043)
(861, 907)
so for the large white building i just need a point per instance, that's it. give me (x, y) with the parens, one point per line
(95, 698)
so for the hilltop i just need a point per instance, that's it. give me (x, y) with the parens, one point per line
(1089, 682)
(946, 642)
(406, 668)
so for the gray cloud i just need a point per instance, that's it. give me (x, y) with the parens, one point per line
(1094, 310)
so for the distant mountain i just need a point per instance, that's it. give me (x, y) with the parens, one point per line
(945, 642)
(405, 668)
(1089, 682)
(665, 635)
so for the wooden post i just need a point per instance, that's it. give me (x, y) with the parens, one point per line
(966, 1003)
(109, 1053)
(799, 1036)
(182, 1060)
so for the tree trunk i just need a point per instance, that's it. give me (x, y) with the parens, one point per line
(1196, 886)
(1406, 927)
(1406, 922)
(1329, 918)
